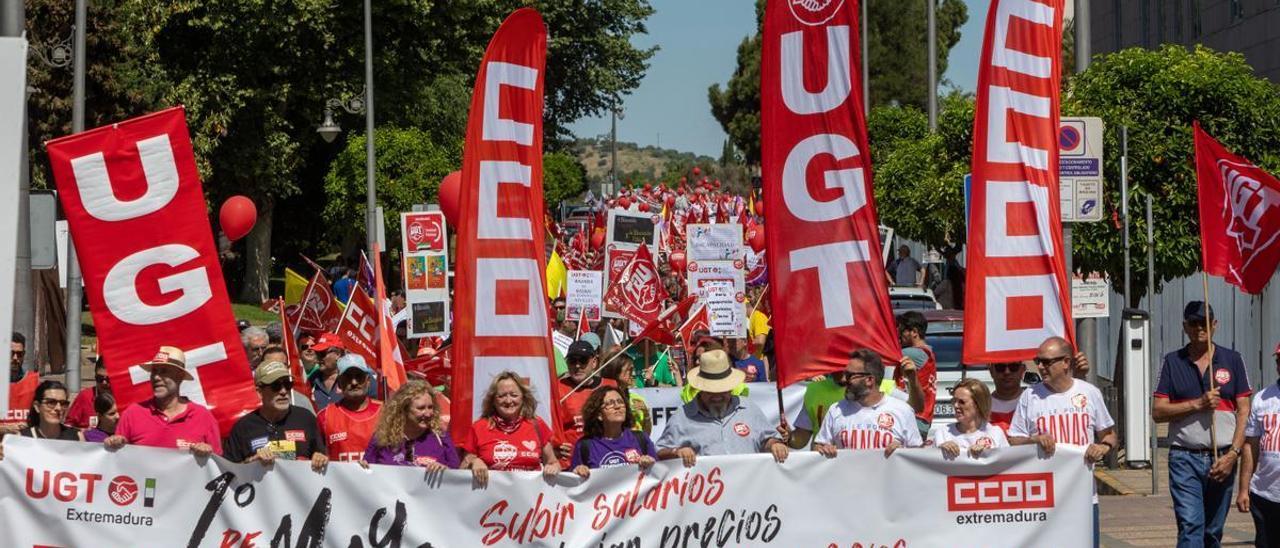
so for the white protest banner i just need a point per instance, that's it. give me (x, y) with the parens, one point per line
(584, 291)
(714, 242)
(725, 313)
(424, 239)
(700, 273)
(77, 494)
(13, 96)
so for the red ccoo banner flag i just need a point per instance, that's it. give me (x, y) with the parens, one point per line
(822, 236)
(1018, 291)
(1239, 216)
(137, 214)
(500, 311)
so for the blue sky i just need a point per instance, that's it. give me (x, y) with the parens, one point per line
(698, 42)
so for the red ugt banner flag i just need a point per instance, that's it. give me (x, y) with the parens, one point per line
(319, 310)
(822, 235)
(1239, 216)
(1018, 291)
(500, 311)
(137, 214)
(637, 292)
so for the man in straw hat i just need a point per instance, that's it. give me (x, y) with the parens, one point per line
(716, 422)
(168, 419)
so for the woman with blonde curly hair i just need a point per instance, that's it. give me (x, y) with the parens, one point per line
(509, 435)
(409, 432)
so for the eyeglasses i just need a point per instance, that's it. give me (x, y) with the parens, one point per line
(49, 402)
(1006, 367)
(1045, 362)
(18, 353)
(282, 384)
(102, 379)
(857, 375)
(614, 403)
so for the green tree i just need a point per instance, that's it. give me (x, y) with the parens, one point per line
(897, 67)
(1157, 94)
(563, 178)
(919, 175)
(409, 170)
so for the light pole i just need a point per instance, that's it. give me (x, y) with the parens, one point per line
(13, 17)
(933, 65)
(73, 264)
(615, 115)
(329, 130)
(866, 62)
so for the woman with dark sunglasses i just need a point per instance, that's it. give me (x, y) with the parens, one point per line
(48, 412)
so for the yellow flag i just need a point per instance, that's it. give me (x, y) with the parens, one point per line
(294, 285)
(557, 275)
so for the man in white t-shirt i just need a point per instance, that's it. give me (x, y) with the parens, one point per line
(1063, 409)
(866, 418)
(1259, 491)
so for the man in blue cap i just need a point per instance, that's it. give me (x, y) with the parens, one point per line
(1203, 393)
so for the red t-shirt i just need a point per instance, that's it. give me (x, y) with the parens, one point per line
(346, 432)
(927, 375)
(518, 450)
(571, 412)
(143, 424)
(21, 395)
(1002, 412)
(81, 415)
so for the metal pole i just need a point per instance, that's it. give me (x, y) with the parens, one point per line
(1124, 204)
(13, 17)
(73, 264)
(866, 62)
(613, 146)
(1151, 352)
(933, 69)
(1081, 21)
(371, 197)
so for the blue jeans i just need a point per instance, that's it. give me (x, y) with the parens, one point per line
(1199, 504)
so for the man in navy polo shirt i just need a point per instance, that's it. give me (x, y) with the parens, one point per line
(1189, 394)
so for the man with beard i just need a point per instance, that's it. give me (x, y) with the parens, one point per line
(277, 430)
(168, 419)
(716, 422)
(866, 418)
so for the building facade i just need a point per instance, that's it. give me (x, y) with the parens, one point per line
(1250, 27)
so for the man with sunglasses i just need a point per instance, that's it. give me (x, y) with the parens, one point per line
(277, 430)
(325, 388)
(82, 415)
(867, 418)
(17, 351)
(1192, 392)
(1063, 409)
(1007, 377)
(348, 424)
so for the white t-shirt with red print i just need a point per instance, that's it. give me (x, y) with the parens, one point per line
(851, 425)
(1264, 424)
(990, 436)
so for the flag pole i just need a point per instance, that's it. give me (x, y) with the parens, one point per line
(1213, 381)
(597, 370)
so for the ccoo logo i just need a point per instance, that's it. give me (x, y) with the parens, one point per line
(123, 490)
(815, 12)
(999, 492)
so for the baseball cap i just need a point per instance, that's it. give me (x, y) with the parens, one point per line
(353, 361)
(580, 350)
(327, 341)
(592, 339)
(1195, 312)
(269, 372)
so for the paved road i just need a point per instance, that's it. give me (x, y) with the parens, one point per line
(1143, 519)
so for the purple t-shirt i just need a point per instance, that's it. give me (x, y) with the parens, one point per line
(604, 452)
(429, 447)
(95, 435)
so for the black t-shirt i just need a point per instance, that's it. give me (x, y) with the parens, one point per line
(296, 437)
(68, 433)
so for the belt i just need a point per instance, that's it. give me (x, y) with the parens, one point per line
(1205, 450)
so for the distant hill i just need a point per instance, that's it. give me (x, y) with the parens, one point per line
(647, 163)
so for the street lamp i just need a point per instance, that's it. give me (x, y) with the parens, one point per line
(329, 129)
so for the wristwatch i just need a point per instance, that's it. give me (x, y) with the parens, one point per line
(1237, 450)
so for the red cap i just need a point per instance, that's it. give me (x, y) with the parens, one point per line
(327, 341)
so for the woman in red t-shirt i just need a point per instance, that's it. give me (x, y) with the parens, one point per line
(509, 434)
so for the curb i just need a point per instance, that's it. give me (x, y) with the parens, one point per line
(1108, 485)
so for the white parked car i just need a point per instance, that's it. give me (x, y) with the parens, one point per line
(903, 298)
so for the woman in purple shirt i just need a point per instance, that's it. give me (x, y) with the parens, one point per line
(409, 432)
(108, 416)
(607, 439)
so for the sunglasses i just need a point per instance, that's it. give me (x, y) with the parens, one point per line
(49, 402)
(18, 353)
(1006, 367)
(1045, 362)
(102, 379)
(282, 384)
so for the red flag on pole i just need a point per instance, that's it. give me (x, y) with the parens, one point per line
(699, 321)
(294, 356)
(1018, 292)
(359, 326)
(319, 310)
(389, 354)
(637, 292)
(500, 307)
(822, 235)
(662, 330)
(1239, 216)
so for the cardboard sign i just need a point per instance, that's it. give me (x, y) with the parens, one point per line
(717, 242)
(584, 292)
(724, 311)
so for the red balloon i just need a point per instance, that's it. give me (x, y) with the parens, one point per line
(648, 187)
(760, 208)
(624, 202)
(677, 261)
(671, 200)
(237, 216)
(696, 171)
(756, 240)
(449, 196)
(597, 239)
(644, 207)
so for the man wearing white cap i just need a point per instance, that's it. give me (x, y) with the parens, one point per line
(348, 424)
(168, 419)
(716, 422)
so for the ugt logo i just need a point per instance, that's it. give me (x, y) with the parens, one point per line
(71, 487)
(815, 12)
(1248, 200)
